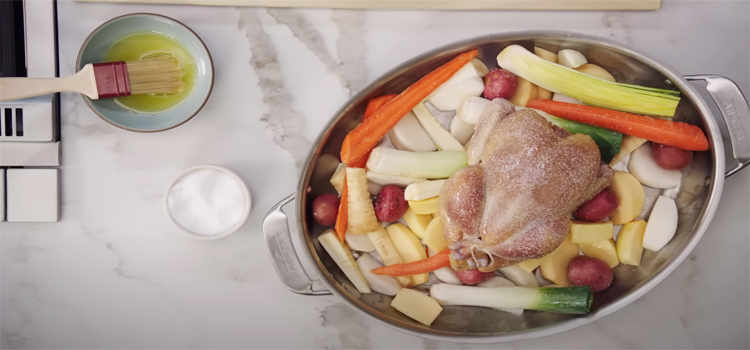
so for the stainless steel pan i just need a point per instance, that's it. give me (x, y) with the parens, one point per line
(697, 196)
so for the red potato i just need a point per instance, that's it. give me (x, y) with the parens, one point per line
(473, 276)
(588, 271)
(500, 83)
(599, 207)
(671, 158)
(325, 209)
(390, 204)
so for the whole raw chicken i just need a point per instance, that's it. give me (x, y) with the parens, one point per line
(515, 204)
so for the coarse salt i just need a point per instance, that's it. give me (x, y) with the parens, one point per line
(206, 202)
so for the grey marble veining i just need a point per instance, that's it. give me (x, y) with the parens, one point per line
(115, 273)
(285, 122)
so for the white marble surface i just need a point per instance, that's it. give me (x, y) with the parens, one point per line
(115, 273)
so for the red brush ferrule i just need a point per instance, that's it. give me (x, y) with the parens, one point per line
(111, 79)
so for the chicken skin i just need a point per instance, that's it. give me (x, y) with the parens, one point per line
(515, 204)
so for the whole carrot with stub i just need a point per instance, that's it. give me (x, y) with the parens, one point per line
(342, 217)
(159, 75)
(376, 103)
(676, 134)
(366, 136)
(343, 214)
(435, 262)
(372, 106)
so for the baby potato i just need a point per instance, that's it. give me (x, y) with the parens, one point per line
(599, 207)
(671, 158)
(390, 204)
(500, 83)
(588, 271)
(473, 276)
(325, 208)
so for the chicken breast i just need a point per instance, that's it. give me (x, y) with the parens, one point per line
(515, 204)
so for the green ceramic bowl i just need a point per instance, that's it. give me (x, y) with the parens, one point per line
(100, 40)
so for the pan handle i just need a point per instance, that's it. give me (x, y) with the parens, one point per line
(283, 255)
(734, 108)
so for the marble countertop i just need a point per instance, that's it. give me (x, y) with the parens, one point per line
(115, 273)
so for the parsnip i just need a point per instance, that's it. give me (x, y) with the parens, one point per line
(361, 212)
(385, 179)
(337, 180)
(341, 254)
(422, 190)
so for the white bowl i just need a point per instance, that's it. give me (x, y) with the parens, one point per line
(235, 227)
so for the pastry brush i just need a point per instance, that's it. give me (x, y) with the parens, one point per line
(155, 75)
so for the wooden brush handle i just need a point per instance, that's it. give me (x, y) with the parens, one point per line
(18, 88)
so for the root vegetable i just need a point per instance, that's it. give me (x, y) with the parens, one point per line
(325, 209)
(588, 271)
(599, 207)
(500, 83)
(671, 158)
(390, 204)
(473, 276)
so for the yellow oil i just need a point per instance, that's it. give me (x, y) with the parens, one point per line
(148, 44)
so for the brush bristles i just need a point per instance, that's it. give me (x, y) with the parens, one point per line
(156, 75)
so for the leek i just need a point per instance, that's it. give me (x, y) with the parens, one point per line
(567, 300)
(426, 165)
(383, 179)
(591, 90)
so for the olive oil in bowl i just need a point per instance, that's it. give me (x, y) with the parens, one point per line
(142, 45)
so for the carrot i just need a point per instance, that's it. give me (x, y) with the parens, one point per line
(375, 104)
(342, 217)
(372, 106)
(364, 137)
(667, 132)
(430, 264)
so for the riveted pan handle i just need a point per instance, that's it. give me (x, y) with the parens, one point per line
(283, 255)
(734, 108)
